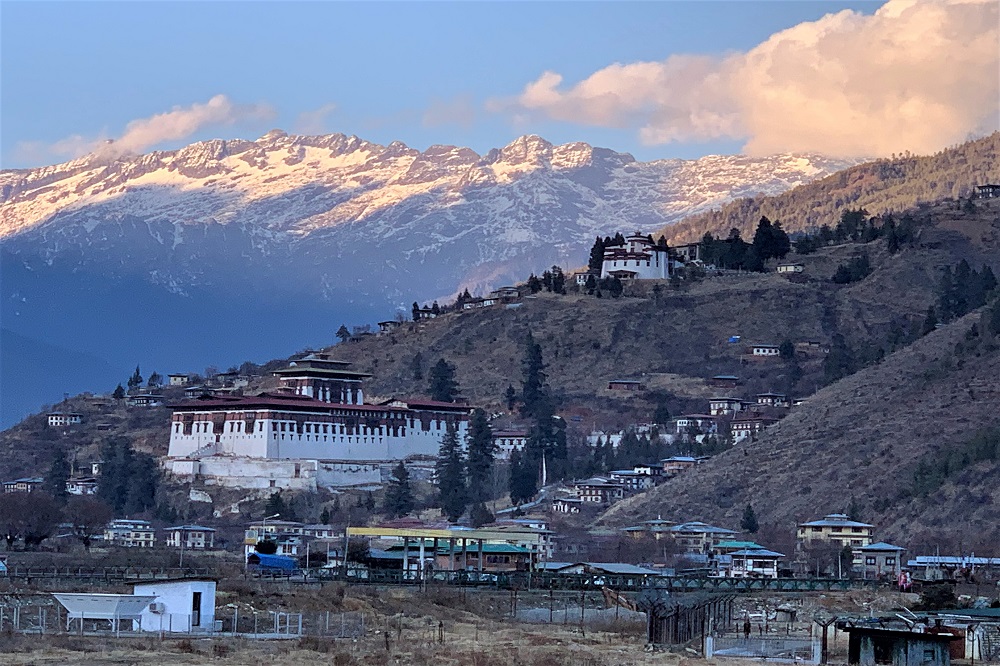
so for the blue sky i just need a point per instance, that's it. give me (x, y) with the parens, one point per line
(418, 72)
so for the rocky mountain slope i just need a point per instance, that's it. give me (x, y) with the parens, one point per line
(242, 248)
(880, 186)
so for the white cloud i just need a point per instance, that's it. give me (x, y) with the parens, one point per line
(314, 122)
(915, 75)
(177, 124)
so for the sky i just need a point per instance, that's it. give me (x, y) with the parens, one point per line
(656, 79)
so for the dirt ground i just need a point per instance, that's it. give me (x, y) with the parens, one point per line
(444, 627)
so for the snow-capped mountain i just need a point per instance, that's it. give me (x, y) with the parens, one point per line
(293, 234)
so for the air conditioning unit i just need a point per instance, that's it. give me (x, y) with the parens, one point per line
(157, 607)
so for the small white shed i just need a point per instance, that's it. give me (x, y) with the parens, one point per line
(181, 606)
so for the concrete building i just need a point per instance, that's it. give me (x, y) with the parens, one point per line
(181, 606)
(754, 563)
(130, 534)
(23, 485)
(698, 537)
(879, 560)
(191, 537)
(868, 646)
(61, 420)
(837, 529)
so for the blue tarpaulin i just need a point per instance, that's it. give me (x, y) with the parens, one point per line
(272, 562)
(734, 338)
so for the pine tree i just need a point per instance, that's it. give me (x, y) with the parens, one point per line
(596, 261)
(119, 393)
(479, 515)
(510, 397)
(55, 480)
(533, 389)
(135, 381)
(482, 450)
(343, 333)
(523, 478)
(415, 310)
(749, 522)
(417, 366)
(275, 506)
(398, 494)
(442, 385)
(661, 415)
(450, 468)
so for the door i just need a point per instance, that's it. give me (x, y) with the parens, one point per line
(195, 609)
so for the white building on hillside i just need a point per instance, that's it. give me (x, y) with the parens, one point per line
(639, 259)
(314, 431)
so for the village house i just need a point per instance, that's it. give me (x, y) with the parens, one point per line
(632, 480)
(724, 406)
(725, 381)
(130, 534)
(687, 253)
(178, 379)
(698, 537)
(425, 313)
(191, 537)
(507, 294)
(23, 485)
(144, 400)
(749, 426)
(656, 528)
(765, 351)
(598, 490)
(790, 268)
(773, 400)
(837, 530)
(987, 191)
(696, 424)
(567, 505)
(879, 560)
(626, 385)
(674, 465)
(508, 441)
(388, 326)
(580, 278)
(60, 419)
(86, 485)
(639, 258)
(753, 563)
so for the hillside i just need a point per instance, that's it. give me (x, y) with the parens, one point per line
(289, 231)
(676, 338)
(883, 185)
(861, 438)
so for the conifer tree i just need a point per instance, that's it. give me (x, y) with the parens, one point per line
(417, 366)
(343, 333)
(135, 381)
(55, 480)
(749, 522)
(442, 385)
(523, 478)
(482, 450)
(119, 393)
(479, 515)
(415, 311)
(398, 494)
(510, 397)
(596, 261)
(450, 468)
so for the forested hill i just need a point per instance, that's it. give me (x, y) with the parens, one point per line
(883, 185)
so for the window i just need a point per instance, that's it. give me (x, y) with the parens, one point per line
(890, 561)
(870, 561)
(857, 530)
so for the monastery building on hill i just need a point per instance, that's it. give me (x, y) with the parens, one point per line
(314, 431)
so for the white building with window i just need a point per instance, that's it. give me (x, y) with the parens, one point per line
(639, 255)
(315, 431)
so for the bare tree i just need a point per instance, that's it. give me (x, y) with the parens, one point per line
(42, 515)
(88, 515)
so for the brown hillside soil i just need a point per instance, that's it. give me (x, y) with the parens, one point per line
(860, 437)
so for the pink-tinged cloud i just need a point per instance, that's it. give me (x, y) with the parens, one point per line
(175, 125)
(916, 75)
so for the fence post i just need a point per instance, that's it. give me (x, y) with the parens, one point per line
(709, 646)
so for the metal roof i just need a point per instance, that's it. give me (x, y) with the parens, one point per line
(104, 606)
(756, 552)
(697, 526)
(881, 545)
(835, 520)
